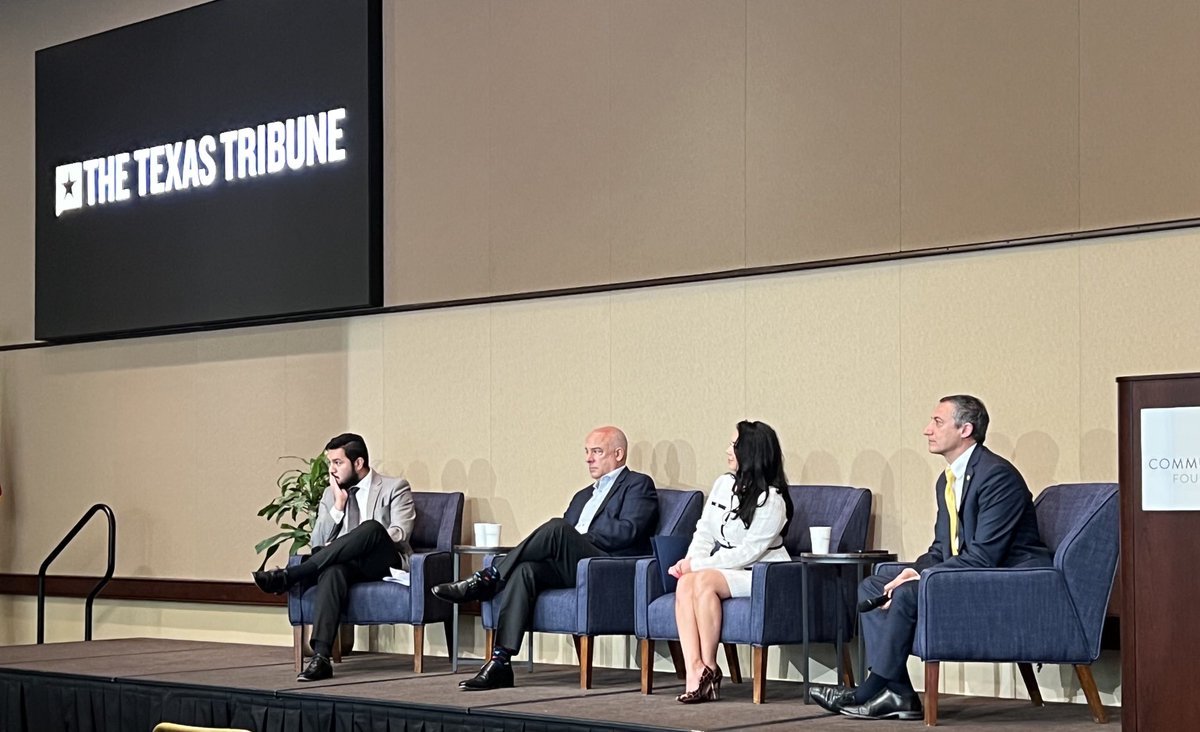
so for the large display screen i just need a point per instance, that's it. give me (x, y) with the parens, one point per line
(217, 165)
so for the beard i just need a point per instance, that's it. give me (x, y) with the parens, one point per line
(350, 481)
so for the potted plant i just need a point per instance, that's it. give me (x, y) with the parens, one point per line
(295, 508)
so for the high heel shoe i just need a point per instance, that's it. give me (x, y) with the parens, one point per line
(708, 688)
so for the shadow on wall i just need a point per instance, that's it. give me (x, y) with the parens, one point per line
(871, 470)
(477, 483)
(906, 514)
(672, 463)
(1036, 455)
(1098, 456)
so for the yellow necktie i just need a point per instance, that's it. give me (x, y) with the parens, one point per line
(952, 512)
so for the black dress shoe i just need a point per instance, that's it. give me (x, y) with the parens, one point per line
(272, 580)
(318, 669)
(472, 588)
(493, 675)
(831, 698)
(887, 704)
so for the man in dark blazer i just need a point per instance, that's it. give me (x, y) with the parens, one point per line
(362, 533)
(985, 518)
(615, 516)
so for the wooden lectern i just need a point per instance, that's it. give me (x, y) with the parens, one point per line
(1160, 549)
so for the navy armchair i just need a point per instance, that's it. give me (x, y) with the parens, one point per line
(439, 517)
(601, 602)
(1026, 616)
(771, 615)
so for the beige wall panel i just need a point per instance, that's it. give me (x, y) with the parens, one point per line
(678, 90)
(679, 378)
(1139, 115)
(437, 397)
(131, 619)
(1004, 327)
(1139, 316)
(822, 130)
(365, 374)
(158, 493)
(822, 358)
(57, 403)
(990, 122)
(435, 150)
(316, 377)
(239, 409)
(550, 385)
(549, 114)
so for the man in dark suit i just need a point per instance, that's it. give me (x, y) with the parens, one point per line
(346, 549)
(615, 516)
(985, 518)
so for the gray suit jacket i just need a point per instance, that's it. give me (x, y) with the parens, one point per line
(390, 502)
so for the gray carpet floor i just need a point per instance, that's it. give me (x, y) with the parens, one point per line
(549, 690)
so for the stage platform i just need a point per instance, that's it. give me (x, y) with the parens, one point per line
(130, 685)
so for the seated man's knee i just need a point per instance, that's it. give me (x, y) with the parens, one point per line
(872, 587)
(905, 595)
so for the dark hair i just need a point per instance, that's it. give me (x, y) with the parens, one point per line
(760, 468)
(353, 445)
(969, 409)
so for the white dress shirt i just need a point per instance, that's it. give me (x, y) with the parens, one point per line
(364, 486)
(599, 493)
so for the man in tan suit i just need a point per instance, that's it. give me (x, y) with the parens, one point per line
(347, 549)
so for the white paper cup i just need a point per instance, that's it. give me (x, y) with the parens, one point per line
(481, 535)
(491, 535)
(820, 538)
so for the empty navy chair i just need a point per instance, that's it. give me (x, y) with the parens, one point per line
(439, 518)
(601, 602)
(1027, 616)
(771, 616)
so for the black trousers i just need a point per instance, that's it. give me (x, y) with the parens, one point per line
(363, 555)
(545, 560)
(889, 633)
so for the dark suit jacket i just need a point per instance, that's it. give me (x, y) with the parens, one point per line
(997, 524)
(627, 518)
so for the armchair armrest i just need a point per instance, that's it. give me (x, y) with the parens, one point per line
(425, 570)
(775, 596)
(997, 614)
(891, 569)
(647, 587)
(604, 594)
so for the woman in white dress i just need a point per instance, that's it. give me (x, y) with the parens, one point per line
(744, 522)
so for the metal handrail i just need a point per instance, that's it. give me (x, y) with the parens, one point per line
(112, 554)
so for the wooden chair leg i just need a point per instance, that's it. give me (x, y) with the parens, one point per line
(337, 646)
(647, 655)
(448, 626)
(848, 677)
(677, 659)
(735, 667)
(584, 647)
(932, 671)
(1031, 684)
(418, 649)
(489, 642)
(759, 671)
(1088, 682)
(298, 646)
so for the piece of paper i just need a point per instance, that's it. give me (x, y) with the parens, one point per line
(399, 576)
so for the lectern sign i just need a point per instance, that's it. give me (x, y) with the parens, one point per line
(1171, 459)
